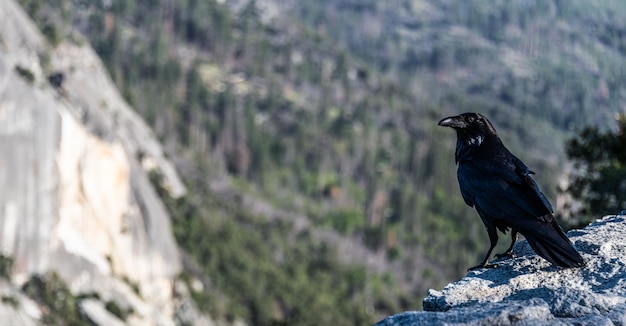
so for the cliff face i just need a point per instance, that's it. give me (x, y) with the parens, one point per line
(75, 196)
(527, 290)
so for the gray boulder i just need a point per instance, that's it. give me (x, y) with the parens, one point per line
(528, 290)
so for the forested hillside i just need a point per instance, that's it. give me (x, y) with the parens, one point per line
(304, 127)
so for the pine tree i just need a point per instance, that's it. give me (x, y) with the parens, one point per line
(599, 179)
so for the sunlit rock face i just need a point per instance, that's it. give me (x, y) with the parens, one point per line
(75, 196)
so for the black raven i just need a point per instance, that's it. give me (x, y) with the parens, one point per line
(499, 186)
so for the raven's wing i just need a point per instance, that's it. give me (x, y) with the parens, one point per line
(522, 171)
(504, 190)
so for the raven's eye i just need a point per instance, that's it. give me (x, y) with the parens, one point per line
(470, 119)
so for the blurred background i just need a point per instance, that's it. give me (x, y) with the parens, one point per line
(268, 162)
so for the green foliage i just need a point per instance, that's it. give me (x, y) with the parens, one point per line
(262, 276)
(6, 267)
(10, 301)
(52, 34)
(49, 22)
(599, 180)
(133, 285)
(60, 304)
(118, 311)
(25, 73)
(32, 7)
(345, 221)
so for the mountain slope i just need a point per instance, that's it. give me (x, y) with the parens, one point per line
(553, 60)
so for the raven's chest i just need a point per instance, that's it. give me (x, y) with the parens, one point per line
(466, 147)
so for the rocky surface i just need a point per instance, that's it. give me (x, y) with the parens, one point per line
(527, 290)
(75, 196)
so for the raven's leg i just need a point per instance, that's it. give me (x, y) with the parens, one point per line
(509, 252)
(493, 239)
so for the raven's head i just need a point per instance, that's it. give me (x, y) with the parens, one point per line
(472, 129)
(470, 123)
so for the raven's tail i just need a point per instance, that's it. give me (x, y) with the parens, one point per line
(550, 242)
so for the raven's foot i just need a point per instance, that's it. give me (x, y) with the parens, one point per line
(482, 266)
(506, 255)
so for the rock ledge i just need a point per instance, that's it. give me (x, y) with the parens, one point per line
(528, 290)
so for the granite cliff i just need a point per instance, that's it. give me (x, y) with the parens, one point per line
(527, 290)
(75, 194)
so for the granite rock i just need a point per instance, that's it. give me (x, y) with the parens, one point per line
(75, 194)
(528, 290)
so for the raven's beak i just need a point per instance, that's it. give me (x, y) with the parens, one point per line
(452, 122)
